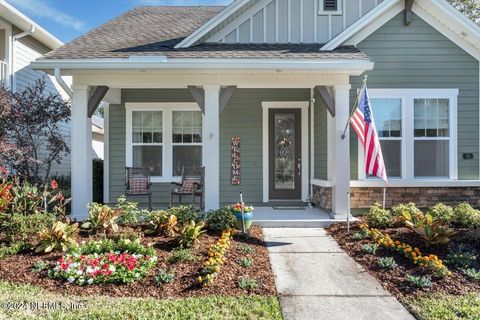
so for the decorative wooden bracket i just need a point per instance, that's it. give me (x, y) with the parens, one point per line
(327, 99)
(198, 95)
(96, 98)
(408, 11)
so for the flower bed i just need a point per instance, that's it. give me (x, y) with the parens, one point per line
(430, 262)
(103, 265)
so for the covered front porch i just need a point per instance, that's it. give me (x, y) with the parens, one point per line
(233, 103)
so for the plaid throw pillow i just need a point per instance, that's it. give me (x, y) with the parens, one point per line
(188, 186)
(138, 185)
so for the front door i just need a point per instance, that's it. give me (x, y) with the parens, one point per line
(285, 172)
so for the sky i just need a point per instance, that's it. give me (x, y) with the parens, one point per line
(68, 19)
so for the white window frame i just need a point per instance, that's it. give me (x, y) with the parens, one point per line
(167, 109)
(337, 12)
(408, 96)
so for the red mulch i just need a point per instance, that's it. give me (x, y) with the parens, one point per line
(394, 280)
(18, 269)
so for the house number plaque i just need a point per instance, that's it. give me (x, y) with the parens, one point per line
(235, 154)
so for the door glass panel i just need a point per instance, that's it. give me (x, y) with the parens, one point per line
(284, 135)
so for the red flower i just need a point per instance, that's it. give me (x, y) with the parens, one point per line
(54, 184)
(105, 266)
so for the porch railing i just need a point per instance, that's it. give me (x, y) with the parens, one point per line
(3, 74)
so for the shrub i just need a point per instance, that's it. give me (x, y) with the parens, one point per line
(461, 256)
(442, 213)
(14, 248)
(432, 232)
(219, 220)
(247, 283)
(164, 277)
(127, 233)
(472, 273)
(411, 208)
(19, 227)
(420, 281)
(131, 214)
(378, 217)
(245, 262)
(160, 222)
(370, 248)
(362, 234)
(59, 236)
(184, 214)
(466, 216)
(102, 218)
(246, 248)
(40, 265)
(190, 233)
(180, 256)
(387, 263)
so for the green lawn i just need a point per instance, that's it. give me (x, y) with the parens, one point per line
(211, 307)
(444, 307)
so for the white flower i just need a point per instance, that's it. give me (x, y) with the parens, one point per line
(79, 272)
(154, 258)
(89, 269)
(90, 281)
(71, 279)
(117, 252)
(112, 268)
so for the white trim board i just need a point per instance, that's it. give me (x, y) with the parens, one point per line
(399, 183)
(303, 105)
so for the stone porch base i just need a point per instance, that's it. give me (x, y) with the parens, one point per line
(423, 197)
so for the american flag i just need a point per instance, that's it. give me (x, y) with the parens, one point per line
(364, 125)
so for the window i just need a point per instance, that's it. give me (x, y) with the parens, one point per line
(147, 129)
(187, 140)
(164, 138)
(416, 129)
(332, 7)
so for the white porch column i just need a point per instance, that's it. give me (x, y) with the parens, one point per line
(81, 157)
(341, 153)
(211, 146)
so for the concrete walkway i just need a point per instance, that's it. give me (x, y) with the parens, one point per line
(316, 279)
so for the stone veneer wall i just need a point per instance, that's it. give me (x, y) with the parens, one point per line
(423, 197)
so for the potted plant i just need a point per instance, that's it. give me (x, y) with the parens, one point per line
(243, 215)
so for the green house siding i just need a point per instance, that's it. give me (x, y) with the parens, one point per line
(320, 139)
(418, 56)
(242, 117)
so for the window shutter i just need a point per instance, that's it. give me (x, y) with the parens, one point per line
(330, 5)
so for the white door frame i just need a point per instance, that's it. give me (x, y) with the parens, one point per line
(303, 105)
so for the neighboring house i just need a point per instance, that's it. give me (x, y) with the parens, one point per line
(282, 75)
(21, 42)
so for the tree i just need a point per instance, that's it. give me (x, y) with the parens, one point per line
(30, 136)
(470, 8)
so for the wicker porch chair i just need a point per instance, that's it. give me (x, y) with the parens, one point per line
(137, 183)
(191, 186)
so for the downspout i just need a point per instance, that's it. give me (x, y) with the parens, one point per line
(62, 83)
(14, 39)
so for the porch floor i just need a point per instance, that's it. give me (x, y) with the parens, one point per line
(269, 217)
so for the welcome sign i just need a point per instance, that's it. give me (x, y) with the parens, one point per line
(235, 156)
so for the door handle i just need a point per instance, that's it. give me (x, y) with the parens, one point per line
(299, 165)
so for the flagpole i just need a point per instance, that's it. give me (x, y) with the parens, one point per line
(354, 107)
(384, 196)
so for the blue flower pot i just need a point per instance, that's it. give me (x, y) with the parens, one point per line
(247, 217)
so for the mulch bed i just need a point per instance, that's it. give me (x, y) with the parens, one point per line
(18, 269)
(394, 280)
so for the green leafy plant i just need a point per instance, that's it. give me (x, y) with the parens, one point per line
(419, 281)
(161, 222)
(370, 248)
(466, 216)
(59, 236)
(40, 265)
(246, 248)
(130, 213)
(164, 277)
(190, 233)
(102, 219)
(472, 273)
(387, 263)
(461, 256)
(360, 235)
(411, 208)
(180, 256)
(127, 233)
(219, 220)
(245, 262)
(109, 245)
(19, 227)
(378, 217)
(184, 214)
(432, 232)
(442, 213)
(247, 283)
(14, 248)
